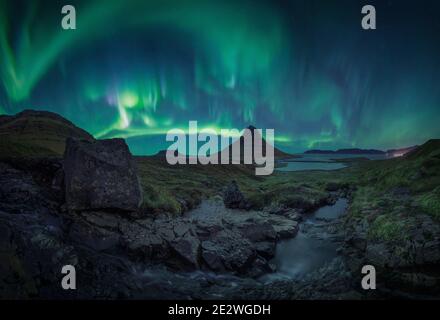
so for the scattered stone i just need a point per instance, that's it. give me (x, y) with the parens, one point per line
(286, 229)
(187, 248)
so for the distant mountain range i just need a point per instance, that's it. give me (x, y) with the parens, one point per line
(390, 152)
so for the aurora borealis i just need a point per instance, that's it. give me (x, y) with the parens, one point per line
(137, 68)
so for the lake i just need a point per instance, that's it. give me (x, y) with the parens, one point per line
(322, 161)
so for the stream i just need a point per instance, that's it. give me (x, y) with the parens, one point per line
(311, 248)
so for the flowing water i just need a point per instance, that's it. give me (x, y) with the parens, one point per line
(312, 247)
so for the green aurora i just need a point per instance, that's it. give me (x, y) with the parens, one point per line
(135, 69)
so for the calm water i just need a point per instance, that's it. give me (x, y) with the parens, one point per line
(302, 166)
(305, 253)
(331, 157)
(322, 161)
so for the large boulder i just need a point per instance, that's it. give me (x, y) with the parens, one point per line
(100, 174)
(233, 198)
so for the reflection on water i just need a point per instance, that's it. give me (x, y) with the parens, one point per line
(332, 157)
(301, 255)
(330, 212)
(322, 161)
(301, 166)
(305, 253)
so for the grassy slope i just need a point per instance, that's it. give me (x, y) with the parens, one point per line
(391, 192)
(167, 187)
(36, 134)
(172, 188)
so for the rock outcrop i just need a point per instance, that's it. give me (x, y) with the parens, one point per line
(233, 198)
(100, 175)
(407, 264)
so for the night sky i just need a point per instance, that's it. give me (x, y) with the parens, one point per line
(135, 69)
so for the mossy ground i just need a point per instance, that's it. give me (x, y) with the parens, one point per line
(430, 202)
(176, 188)
(388, 227)
(393, 191)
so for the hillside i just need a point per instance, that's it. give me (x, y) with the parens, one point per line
(418, 170)
(394, 194)
(36, 133)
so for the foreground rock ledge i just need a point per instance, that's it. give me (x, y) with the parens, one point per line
(100, 174)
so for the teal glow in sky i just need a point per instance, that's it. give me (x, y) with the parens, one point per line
(136, 68)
